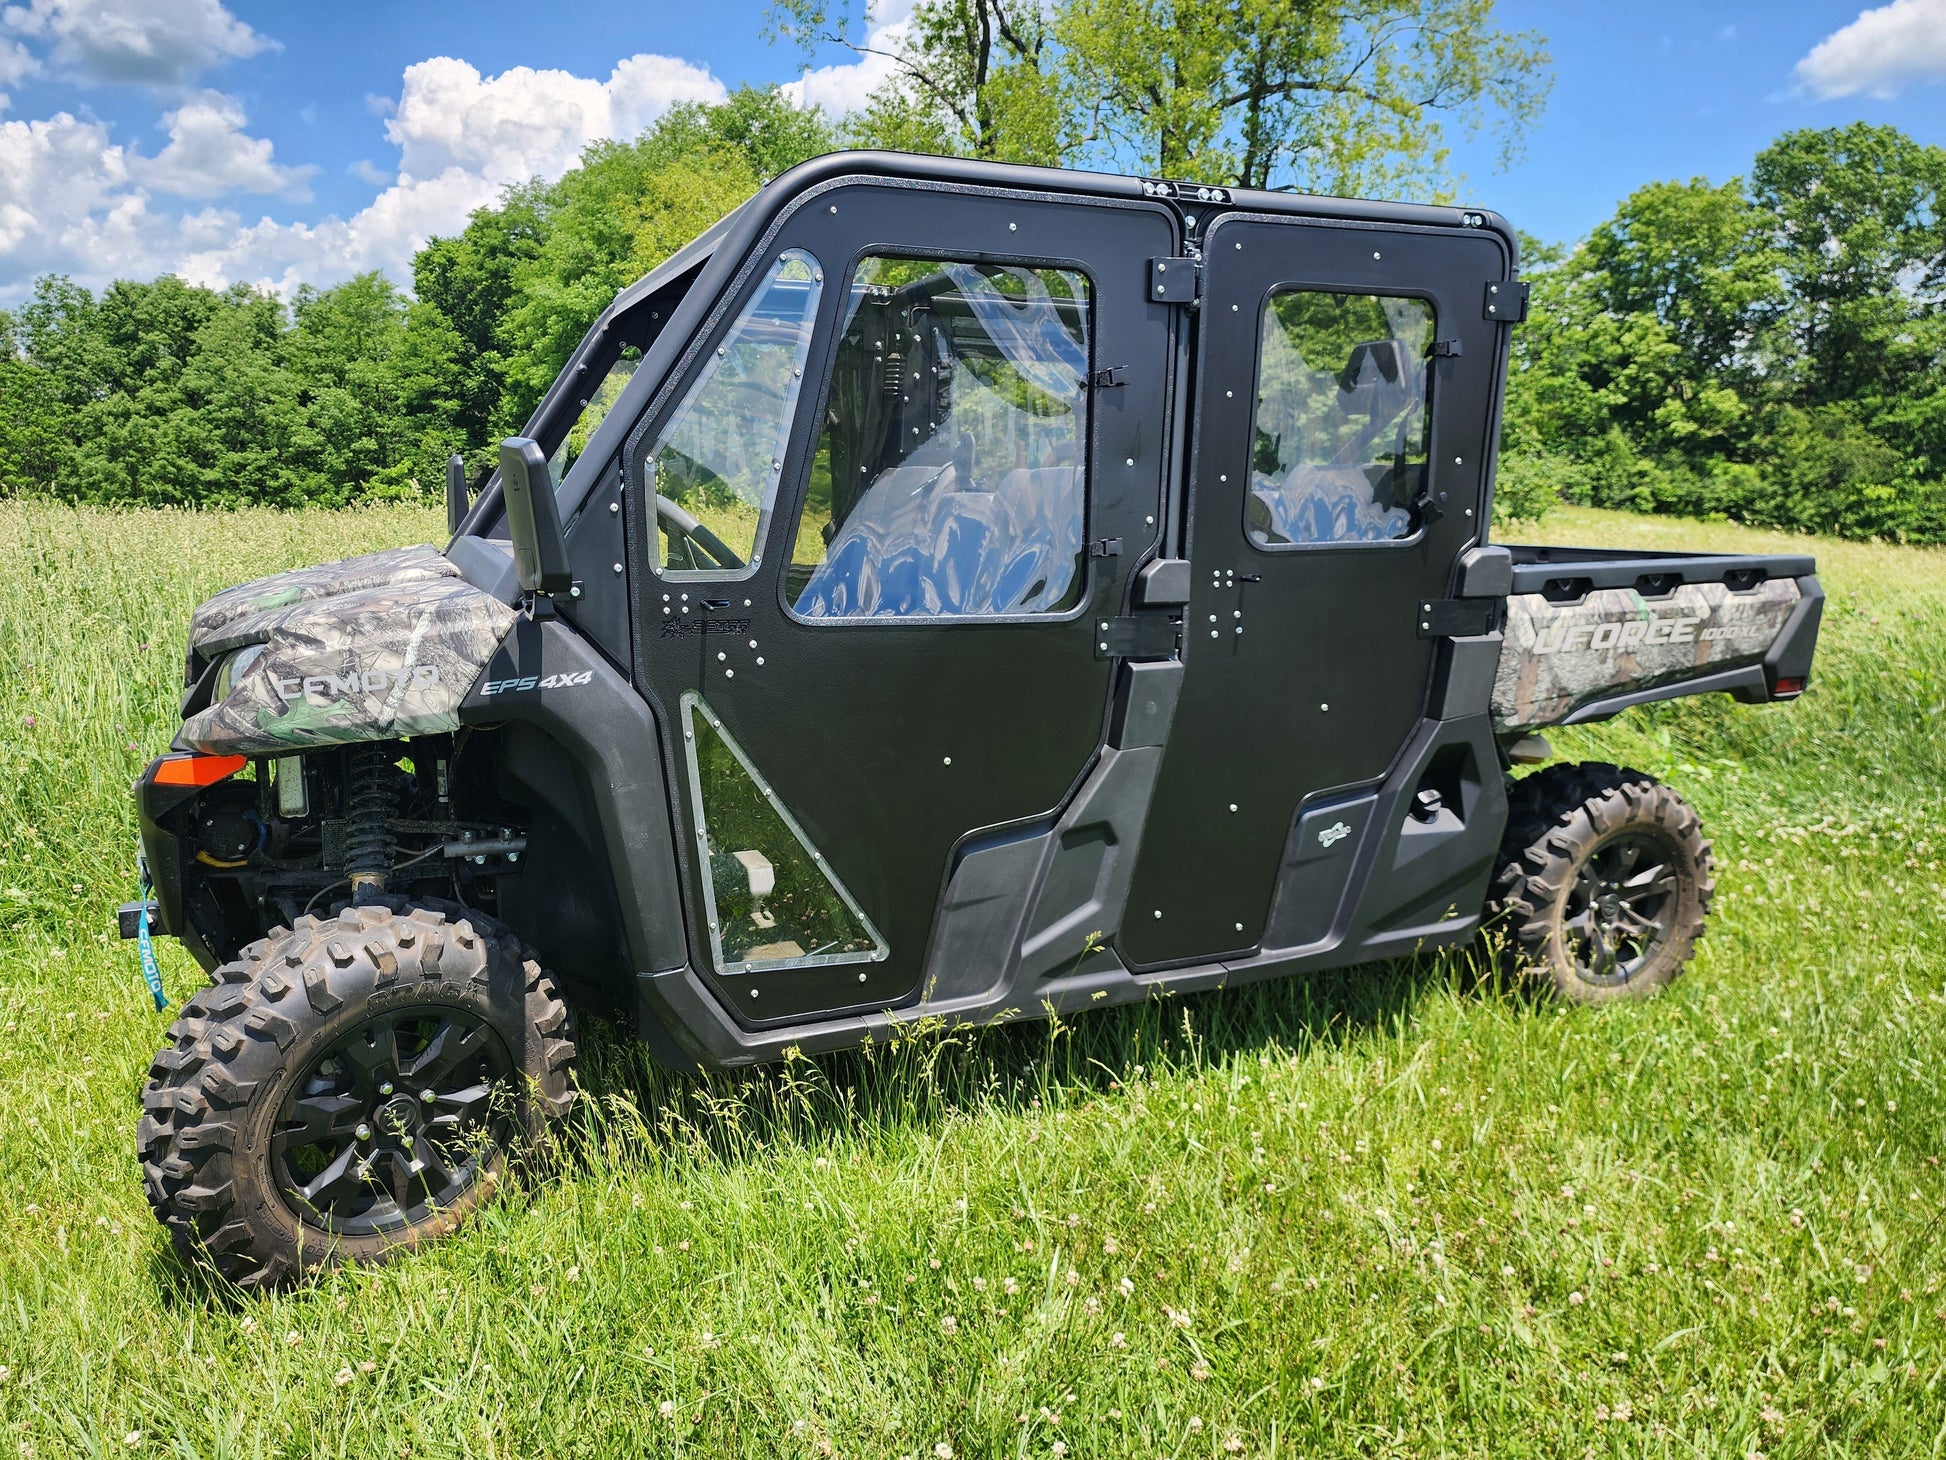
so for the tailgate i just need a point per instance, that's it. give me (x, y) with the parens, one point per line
(1589, 633)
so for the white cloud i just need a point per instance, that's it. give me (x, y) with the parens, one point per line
(208, 155)
(525, 123)
(847, 86)
(365, 170)
(384, 235)
(160, 42)
(16, 62)
(462, 138)
(1879, 53)
(73, 200)
(65, 202)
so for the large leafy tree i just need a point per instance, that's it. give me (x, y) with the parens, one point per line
(1857, 216)
(1339, 97)
(1769, 349)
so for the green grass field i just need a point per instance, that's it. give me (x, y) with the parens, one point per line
(1376, 1212)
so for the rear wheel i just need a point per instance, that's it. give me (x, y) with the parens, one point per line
(1604, 882)
(351, 1086)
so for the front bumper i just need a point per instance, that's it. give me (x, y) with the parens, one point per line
(156, 808)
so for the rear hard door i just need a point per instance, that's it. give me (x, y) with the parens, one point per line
(1344, 389)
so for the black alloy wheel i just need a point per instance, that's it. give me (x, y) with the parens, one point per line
(351, 1087)
(1603, 885)
(391, 1123)
(1620, 908)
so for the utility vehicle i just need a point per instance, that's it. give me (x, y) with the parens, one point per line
(942, 590)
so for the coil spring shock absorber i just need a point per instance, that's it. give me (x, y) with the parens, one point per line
(369, 837)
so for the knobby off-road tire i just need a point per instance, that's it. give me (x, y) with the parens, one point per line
(1604, 882)
(350, 1087)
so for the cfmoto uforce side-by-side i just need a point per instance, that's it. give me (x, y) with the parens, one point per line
(943, 590)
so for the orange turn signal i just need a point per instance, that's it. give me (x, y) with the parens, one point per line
(197, 770)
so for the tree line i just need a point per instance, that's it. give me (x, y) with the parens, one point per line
(164, 393)
(1771, 349)
(1767, 349)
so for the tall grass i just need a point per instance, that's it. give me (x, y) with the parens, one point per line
(1380, 1211)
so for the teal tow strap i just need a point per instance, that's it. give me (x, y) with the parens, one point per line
(145, 946)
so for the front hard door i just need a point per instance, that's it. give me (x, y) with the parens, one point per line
(891, 505)
(1345, 379)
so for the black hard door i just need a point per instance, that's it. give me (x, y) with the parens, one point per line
(1344, 386)
(909, 655)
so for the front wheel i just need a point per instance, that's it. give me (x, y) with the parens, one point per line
(1604, 882)
(349, 1087)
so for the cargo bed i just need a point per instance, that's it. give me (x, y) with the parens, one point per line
(1588, 633)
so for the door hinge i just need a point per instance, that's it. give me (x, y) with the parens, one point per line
(1456, 618)
(1138, 636)
(1506, 301)
(1446, 349)
(1175, 281)
(1105, 547)
(1109, 377)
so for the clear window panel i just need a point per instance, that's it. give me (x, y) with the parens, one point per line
(1339, 449)
(949, 478)
(773, 901)
(716, 467)
(593, 412)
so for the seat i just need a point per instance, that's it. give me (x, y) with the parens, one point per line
(1336, 500)
(917, 543)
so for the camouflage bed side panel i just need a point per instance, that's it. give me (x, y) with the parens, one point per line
(1557, 657)
(371, 665)
(422, 564)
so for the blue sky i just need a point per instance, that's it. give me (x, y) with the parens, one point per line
(297, 141)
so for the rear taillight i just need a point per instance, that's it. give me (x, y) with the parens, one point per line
(1787, 686)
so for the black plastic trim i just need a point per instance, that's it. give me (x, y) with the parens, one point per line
(1535, 567)
(1789, 657)
(1745, 681)
(612, 734)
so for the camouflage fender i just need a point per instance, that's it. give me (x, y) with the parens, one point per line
(1557, 657)
(208, 624)
(370, 664)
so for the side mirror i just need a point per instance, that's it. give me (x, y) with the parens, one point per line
(533, 518)
(456, 493)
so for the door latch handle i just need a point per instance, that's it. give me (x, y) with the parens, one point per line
(712, 604)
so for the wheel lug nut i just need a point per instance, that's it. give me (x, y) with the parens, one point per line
(364, 1133)
(386, 1088)
(427, 1096)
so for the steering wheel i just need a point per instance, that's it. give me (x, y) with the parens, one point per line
(680, 524)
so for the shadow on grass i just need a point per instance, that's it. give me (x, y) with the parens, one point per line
(636, 1112)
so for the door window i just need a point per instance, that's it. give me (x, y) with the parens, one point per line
(1339, 450)
(715, 468)
(949, 476)
(772, 899)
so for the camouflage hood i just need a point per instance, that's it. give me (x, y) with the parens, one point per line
(369, 649)
(227, 610)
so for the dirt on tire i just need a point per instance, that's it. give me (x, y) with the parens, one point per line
(1558, 820)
